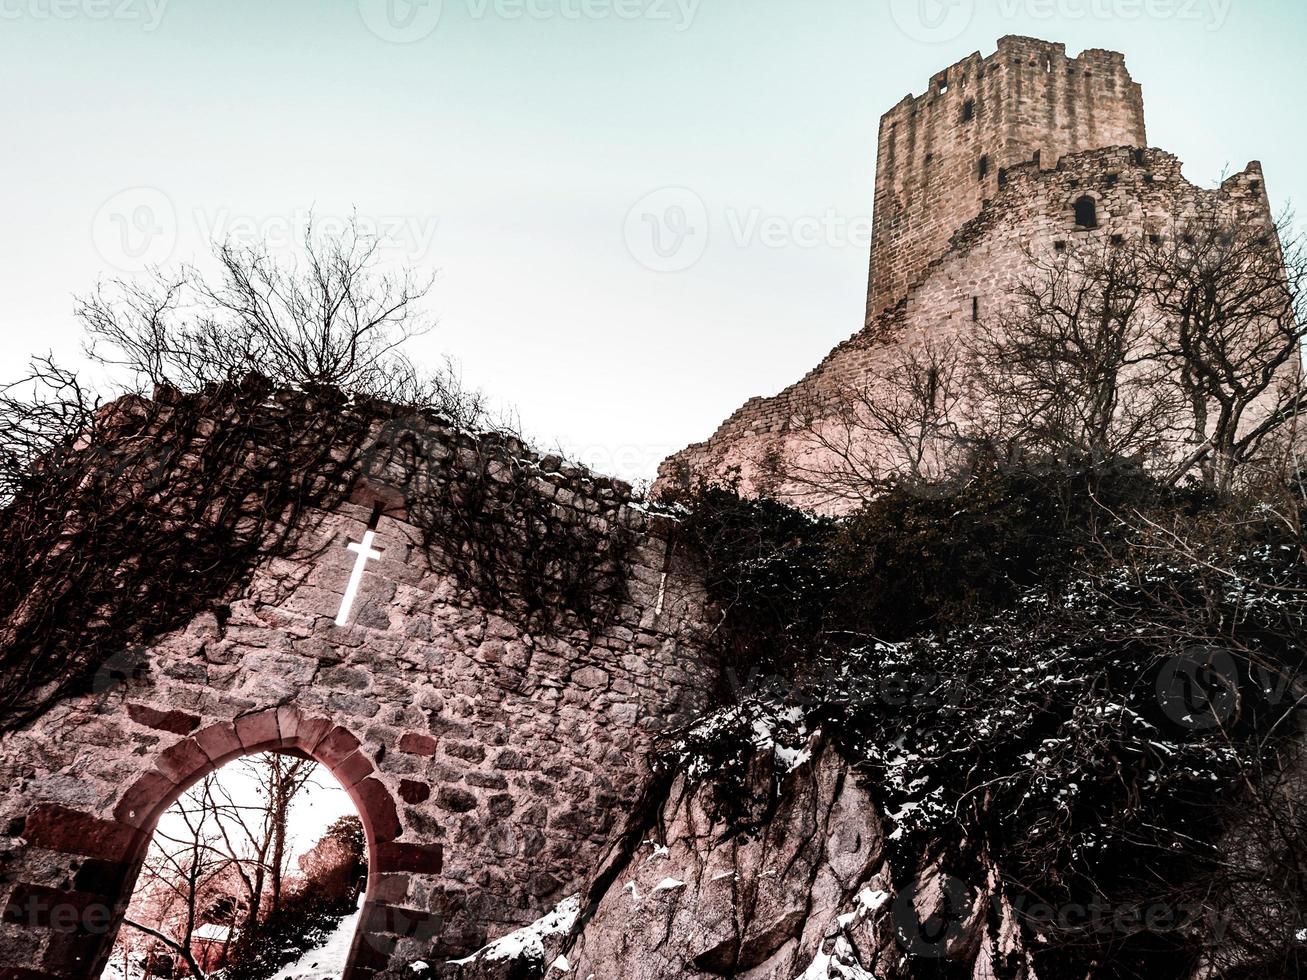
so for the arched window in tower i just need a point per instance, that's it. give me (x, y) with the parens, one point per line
(1086, 213)
(969, 110)
(982, 169)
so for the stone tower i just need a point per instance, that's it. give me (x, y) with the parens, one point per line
(943, 154)
(990, 166)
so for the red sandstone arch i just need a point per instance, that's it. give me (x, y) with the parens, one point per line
(111, 852)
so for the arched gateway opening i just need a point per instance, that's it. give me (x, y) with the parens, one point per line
(257, 870)
(112, 852)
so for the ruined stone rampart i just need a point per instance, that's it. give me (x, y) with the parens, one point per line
(1137, 193)
(493, 757)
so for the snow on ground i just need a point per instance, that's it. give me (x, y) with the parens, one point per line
(327, 962)
(529, 940)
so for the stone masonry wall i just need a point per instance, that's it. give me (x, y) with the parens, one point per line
(1138, 192)
(492, 766)
(941, 154)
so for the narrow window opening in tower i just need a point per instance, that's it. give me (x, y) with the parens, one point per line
(1086, 213)
(1139, 157)
(969, 110)
(975, 308)
(1002, 178)
(1059, 246)
(983, 168)
(1048, 65)
(929, 158)
(1036, 157)
(1112, 179)
(1255, 186)
(1118, 239)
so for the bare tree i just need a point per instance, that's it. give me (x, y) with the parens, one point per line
(177, 878)
(40, 415)
(253, 833)
(1233, 308)
(331, 318)
(227, 858)
(1070, 369)
(900, 422)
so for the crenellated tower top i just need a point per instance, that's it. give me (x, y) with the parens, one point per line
(943, 154)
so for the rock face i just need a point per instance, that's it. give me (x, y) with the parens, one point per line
(805, 894)
(697, 900)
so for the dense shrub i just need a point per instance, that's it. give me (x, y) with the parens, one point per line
(1085, 685)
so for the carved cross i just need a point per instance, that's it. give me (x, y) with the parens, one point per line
(365, 553)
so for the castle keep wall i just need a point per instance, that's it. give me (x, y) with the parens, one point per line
(940, 154)
(492, 764)
(1138, 193)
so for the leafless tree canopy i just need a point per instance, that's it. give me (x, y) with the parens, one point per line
(903, 422)
(222, 858)
(1071, 368)
(330, 319)
(1180, 351)
(1234, 311)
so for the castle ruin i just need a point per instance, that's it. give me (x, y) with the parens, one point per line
(1023, 153)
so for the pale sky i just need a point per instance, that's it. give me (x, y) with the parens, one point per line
(319, 804)
(515, 147)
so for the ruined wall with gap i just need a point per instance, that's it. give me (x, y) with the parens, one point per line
(1137, 193)
(492, 762)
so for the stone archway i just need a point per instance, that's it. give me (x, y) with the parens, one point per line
(83, 914)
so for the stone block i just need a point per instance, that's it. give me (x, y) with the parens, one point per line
(417, 744)
(145, 799)
(413, 792)
(183, 761)
(176, 722)
(377, 810)
(219, 742)
(413, 858)
(58, 828)
(258, 730)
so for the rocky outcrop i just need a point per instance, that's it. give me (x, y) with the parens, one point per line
(698, 900)
(805, 893)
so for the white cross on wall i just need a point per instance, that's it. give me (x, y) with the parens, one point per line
(365, 553)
